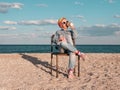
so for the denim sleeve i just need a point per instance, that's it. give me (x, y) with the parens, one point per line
(56, 38)
(74, 34)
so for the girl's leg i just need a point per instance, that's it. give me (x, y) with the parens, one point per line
(71, 48)
(72, 60)
(68, 46)
(71, 66)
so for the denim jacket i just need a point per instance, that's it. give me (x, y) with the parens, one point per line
(68, 34)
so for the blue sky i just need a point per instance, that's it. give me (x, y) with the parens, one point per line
(34, 21)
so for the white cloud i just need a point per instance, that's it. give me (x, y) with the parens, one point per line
(33, 22)
(117, 33)
(3, 10)
(9, 35)
(84, 20)
(4, 7)
(116, 16)
(16, 5)
(10, 22)
(79, 16)
(110, 1)
(40, 29)
(38, 22)
(99, 25)
(99, 30)
(7, 28)
(115, 25)
(78, 3)
(98, 40)
(28, 22)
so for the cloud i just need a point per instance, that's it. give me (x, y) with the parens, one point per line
(99, 30)
(3, 10)
(110, 1)
(9, 35)
(82, 18)
(4, 7)
(10, 22)
(16, 5)
(116, 16)
(7, 28)
(99, 25)
(34, 22)
(115, 25)
(78, 3)
(79, 16)
(38, 22)
(117, 33)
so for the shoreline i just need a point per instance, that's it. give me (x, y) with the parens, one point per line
(31, 71)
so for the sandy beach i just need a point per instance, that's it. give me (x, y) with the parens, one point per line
(31, 71)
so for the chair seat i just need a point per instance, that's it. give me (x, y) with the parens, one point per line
(59, 53)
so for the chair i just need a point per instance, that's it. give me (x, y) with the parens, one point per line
(61, 53)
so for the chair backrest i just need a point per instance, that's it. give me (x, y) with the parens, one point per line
(52, 42)
(59, 49)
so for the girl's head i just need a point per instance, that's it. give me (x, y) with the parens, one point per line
(63, 23)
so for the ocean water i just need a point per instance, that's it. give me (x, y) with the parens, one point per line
(46, 48)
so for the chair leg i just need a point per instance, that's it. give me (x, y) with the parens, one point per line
(74, 70)
(78, 66)
(56, 66)
(51, 63)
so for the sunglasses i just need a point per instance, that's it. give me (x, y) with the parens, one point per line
(64, 22)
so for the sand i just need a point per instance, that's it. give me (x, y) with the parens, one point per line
(31, 71)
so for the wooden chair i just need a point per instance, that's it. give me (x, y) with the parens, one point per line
(60, 53)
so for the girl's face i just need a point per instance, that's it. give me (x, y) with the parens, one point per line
(64, 24)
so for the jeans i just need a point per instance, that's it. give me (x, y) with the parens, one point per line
(72, 56)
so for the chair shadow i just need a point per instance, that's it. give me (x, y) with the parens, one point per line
(35, 61)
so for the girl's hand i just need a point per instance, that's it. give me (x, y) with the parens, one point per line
(72, 26)
(62, 38)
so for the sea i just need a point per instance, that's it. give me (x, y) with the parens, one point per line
(47, 48)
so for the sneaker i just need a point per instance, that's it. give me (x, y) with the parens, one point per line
(70, 74)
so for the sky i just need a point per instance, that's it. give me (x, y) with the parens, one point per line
(34, 21)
